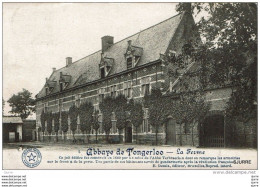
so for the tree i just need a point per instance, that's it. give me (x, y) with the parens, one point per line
(64, 123)
(86, 111)
(49, 118)
(184, 113)
(190, 107)
(230, 28)
(107, 107)
(22, 104)
(95, 123)
(73, 114)
(136, 115)
(56, 118)
(242, 109)
(89, 116)
(82, 116)
(158, 109)
(43, 119)
(120, 111)
(190, 77)
(200, 110)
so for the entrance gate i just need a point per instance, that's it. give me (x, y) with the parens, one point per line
(213, 131)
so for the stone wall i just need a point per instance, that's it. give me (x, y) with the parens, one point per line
(241, 134)
(82, 138)
(149, 138)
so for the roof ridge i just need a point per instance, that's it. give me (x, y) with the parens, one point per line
(124, 39)
(148, 28)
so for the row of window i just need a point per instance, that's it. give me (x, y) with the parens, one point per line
(125, 89)
(145, 128)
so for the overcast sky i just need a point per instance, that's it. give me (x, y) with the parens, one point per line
(39, 36)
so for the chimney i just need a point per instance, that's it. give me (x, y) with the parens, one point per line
(46, 79)
(106, 42)
(68, 61)
(53, 69)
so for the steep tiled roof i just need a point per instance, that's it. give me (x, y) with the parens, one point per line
(153, 40)
(12, 119)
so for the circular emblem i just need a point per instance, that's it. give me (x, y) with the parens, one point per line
(31, 157)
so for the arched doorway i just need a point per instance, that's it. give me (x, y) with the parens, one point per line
(212, 131)
(128, 133)
(171, 132)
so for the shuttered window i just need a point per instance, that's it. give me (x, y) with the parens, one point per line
(128, 89)
(113, 90)
(145, 82)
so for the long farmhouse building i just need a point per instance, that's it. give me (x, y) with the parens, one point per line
(133, 66)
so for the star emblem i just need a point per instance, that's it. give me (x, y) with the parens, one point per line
(31, 157)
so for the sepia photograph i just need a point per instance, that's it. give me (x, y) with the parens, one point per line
(130, 86)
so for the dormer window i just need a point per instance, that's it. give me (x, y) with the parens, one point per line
(105, 65)
(132, 55)
(129, 61)
(102, 72)
(47, 90)
(49, 85)
(61, 86)
(64, 81)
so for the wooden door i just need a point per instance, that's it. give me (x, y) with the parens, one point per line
(171, 132)
(128, 134)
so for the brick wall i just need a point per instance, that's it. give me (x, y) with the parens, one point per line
(90, 92)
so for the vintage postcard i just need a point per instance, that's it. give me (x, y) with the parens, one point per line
(158, 86)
